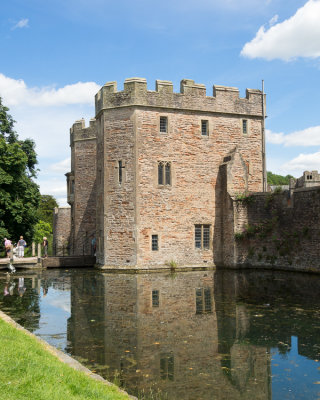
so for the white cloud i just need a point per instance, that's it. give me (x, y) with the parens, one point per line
(16, 92)
(306, 137)
(298, 36)
(303, 162)
(53, 187)
(23, 23)
(273, 20)
(62, 302)
(62, 166)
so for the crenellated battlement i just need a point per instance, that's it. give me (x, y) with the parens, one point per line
(192, 96)
(79, 131)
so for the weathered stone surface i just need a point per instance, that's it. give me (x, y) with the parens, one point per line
(116, 196)
(61, 229)
(82, 187)
(277, 230)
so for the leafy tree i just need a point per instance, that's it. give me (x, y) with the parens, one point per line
(19, 194)
(45, 211)
(274, 179)
(42, 229)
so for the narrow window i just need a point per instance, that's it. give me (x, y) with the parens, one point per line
(206, 236)
(197, 236)
(244, 126)
(164, 173)
(163, 124)
(203, 301)
(160, 173)
(168, 174)
(202, 236)
(72, 187)
(207, 300)
(155, 298)
(167, 367)
(204, 128)
(199, 301)
(154, 243)
(120, 171)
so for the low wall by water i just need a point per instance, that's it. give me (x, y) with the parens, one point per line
(69, 261)
(276, 230)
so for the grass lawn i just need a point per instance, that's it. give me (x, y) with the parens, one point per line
(28, 371)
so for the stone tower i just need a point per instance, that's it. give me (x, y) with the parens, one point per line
(81, 185)
(157, 188)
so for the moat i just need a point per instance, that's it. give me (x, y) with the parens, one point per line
(194, 335)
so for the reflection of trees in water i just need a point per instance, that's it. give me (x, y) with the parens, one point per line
(278, 305)
(23, 309)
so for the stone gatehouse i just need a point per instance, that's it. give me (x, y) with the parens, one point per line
(145, 181)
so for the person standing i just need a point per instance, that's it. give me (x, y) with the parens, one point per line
(45, 245)
(21, 245)
(7, 245)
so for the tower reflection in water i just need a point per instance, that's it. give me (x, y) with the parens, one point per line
(181, 334)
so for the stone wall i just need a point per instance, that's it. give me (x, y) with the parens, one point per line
(61, 230)
(116, 197)
(130, 212)
(82, 187)
(192, 96)
(276, 231)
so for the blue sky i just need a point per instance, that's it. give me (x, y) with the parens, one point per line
(56, 54)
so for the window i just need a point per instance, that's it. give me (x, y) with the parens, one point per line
(244, 126)
(154, 243)
(155, 298)
(120, 166)
(164, 173)
(309, 177)
(202, 236)
(203, 301)
(72, 187)
(167, 367)
(204, 128)
(163, 124)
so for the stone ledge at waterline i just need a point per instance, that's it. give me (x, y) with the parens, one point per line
(66, 359)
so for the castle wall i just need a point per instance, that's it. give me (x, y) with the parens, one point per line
(138, 208)
(118, 232)
(82, 192)
(61, 230)
(275, 231)
(172, 211)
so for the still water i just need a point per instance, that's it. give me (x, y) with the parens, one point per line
(195, 335)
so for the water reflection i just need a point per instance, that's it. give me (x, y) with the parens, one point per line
(162, 331)
(196, 335)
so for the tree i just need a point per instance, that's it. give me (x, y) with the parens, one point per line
(19, 194)
(42, 229)
(274, 179)
(46, 206)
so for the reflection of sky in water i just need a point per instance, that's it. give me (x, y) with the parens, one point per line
(294, 376)
(55, 311)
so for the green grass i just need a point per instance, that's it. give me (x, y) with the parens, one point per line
(28, 371)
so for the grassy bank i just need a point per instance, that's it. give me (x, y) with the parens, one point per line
(28, 371)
